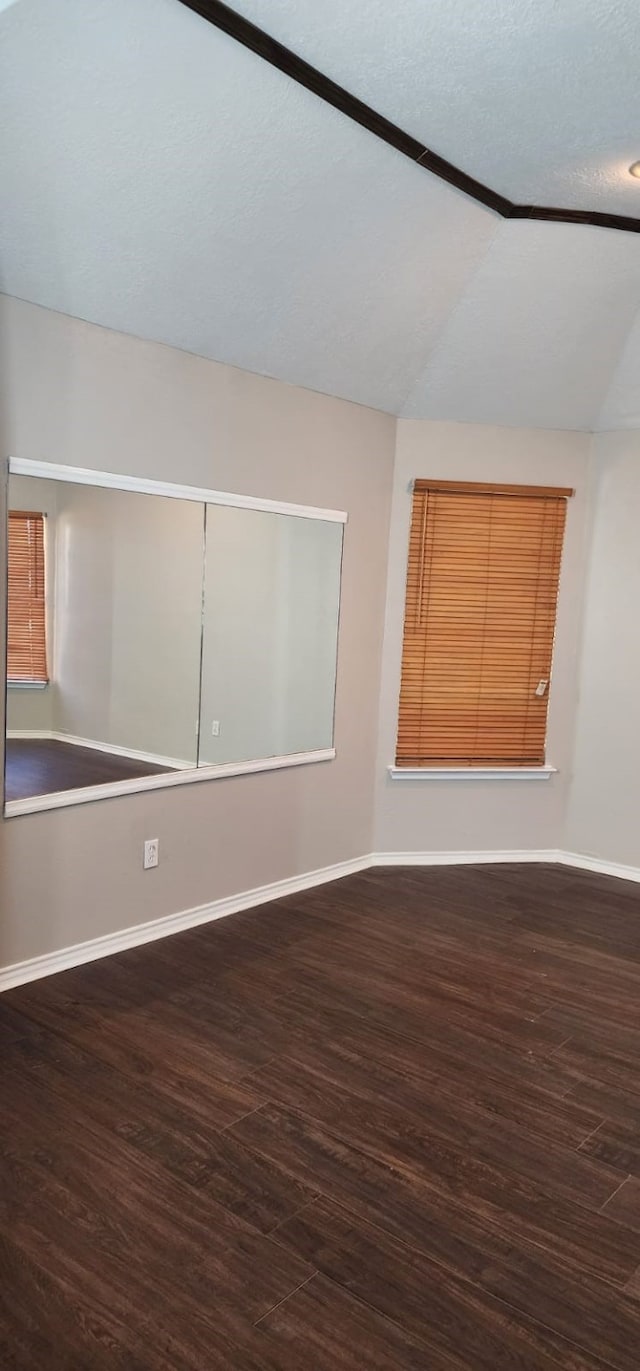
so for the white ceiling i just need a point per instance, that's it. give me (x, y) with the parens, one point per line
(621, 407)
(541, 325)
(162, 180)
(540, 99)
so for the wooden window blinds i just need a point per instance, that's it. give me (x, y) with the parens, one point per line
(26, 633)
(482, 586)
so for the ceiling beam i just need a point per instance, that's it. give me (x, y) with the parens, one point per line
(250, 36)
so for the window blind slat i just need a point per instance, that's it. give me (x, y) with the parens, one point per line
(482, 587)
(26, 631)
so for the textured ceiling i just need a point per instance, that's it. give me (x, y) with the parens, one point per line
(540, 99)
(621, 408)
(162, 180)
(538, 332)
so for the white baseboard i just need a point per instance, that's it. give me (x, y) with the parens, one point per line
(35, 968)
(30, 733)
(602, 868)
(461, 858)
(153, 758)
(579, 860)
(95, 948)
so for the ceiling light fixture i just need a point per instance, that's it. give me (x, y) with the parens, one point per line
(634, 169)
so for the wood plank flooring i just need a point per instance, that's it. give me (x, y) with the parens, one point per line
(392, 1123)
(40, 766)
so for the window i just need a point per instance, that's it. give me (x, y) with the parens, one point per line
(26, 634)
(482, 586)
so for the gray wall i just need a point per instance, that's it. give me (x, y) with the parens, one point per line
(604, 808)
(82, 395)
(494, 816)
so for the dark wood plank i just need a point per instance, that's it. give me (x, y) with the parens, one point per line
(571, 1301)
(617, 1144)
(14, 1025)
(617, 1105)
(438, 1308)
(185, 1141)
(200, 1076)
(422, 1083)
(108, 1225)
(432, 982)
(379, 1066)
(78, 1321)
(401, 1200)
(323, 1327)
(426, 1139)
(624, 1205)
(132, 1101)
(385, 1007)
(40, 1327)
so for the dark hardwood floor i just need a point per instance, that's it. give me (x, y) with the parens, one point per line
(389, 1124)
(39, 766)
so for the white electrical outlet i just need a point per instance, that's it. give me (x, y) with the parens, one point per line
(215, 728)
(151, 853)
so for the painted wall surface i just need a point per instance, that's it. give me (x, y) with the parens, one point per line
(272, 595)
(604, 802)
(454, 816)
(80, 395)
(33, 710)
(126, 666)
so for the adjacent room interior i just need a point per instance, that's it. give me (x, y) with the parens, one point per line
(319, 853)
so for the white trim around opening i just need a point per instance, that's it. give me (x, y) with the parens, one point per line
(50, 471)
(60, 799)
(471, 773)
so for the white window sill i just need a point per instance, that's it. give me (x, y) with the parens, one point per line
(471, 773)
(27, 685)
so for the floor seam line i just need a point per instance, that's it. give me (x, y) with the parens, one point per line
(592, 1134)
(475, 1285)
(317, 1194)
(532, 1248)
(284, 1299)
(228, 1126)
(611, 1197)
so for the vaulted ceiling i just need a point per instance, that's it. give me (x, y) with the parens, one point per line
(160, 179)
